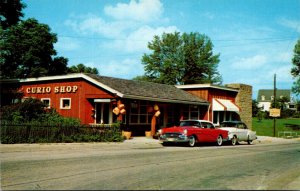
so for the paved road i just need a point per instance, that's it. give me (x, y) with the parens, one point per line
(149, 166)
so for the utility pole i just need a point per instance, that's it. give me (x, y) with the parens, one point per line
(274, 118)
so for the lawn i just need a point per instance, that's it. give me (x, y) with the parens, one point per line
(265, 126)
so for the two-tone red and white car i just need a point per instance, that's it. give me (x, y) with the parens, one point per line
(238, 131)
(192, 132)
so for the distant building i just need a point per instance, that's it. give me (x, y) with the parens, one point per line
(265, 98)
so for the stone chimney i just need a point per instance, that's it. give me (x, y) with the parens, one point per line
(244, 101)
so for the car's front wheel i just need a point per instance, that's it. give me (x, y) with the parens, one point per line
(249, 141)
(234, 140)
(165, 143)
(192, 141)
(219, 140)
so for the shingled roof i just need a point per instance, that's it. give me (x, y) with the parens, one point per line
(131, 89)
(148, 91)
(269, 93)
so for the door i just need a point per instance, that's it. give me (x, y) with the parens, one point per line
(242, 132)
(102, 113)
(208, 132)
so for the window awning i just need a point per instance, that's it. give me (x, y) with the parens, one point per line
(224, 105)
(102, 100)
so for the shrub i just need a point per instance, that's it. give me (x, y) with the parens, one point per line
(286, 113)
(29, 122)
(44, 133)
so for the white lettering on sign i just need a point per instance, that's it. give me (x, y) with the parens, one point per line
(57, 89)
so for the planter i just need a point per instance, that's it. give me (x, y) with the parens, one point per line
(126, 134)
(148, 134)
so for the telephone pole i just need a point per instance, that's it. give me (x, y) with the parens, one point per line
(274, 99)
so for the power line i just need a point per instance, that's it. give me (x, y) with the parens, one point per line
(243, 42)
(217, 40)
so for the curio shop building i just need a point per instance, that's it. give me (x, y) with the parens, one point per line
(141, 106)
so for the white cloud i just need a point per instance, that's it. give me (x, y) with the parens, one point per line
(283, 73)
(249, 63)
(137, 40)
(92, 24)
(127, 68)
(293, 24)
(67, 44)
(209, 15)
(141, 10)
(284, 57)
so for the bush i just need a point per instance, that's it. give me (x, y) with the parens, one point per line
(26, 111)
(29, 122)
(287, 113)
(296, 114)
(44, 133)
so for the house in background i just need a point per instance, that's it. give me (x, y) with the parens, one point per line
(265, 98)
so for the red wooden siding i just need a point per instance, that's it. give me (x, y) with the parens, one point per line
(80, 92)
(209, 93)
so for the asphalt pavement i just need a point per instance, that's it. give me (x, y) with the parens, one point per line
(143, 163)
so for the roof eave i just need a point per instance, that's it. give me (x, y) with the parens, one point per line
(74, 76)
(201, 86)
(165, 100)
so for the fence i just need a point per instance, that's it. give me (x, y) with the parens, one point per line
(288, 134)
(47, 133)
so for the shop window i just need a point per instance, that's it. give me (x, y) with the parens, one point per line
(139, 112)
(191, 112)
(218, 117)
(171, 115)
(65, 103)
(46, 101)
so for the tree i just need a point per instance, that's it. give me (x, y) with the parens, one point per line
(181, 59)
(81, 68)
(24, 111)
(141, 78)
(10, 12)
(27, 50)
(255, 108)
(59, 66)
(296, 69)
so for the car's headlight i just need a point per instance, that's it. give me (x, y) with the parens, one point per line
(185, 132)
(159, 131)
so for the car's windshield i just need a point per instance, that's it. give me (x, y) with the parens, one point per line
(228, 124)
(189, 123)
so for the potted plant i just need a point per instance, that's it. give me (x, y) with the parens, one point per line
(148, 133)
(126, 131)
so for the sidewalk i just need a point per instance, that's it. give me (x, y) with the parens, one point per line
(143, 140)
(270, 140)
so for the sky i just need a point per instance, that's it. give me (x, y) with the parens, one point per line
(255, 38)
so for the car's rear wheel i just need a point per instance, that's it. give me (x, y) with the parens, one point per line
(234, 140)
(219, 140)
(249, 141)
(192, 141)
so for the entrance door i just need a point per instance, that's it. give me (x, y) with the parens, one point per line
(102, 113)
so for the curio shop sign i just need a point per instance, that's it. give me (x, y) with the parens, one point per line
(48, 89)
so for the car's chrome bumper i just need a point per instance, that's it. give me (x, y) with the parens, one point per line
(179, 138)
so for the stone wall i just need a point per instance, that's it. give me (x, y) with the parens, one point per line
(244, 101)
